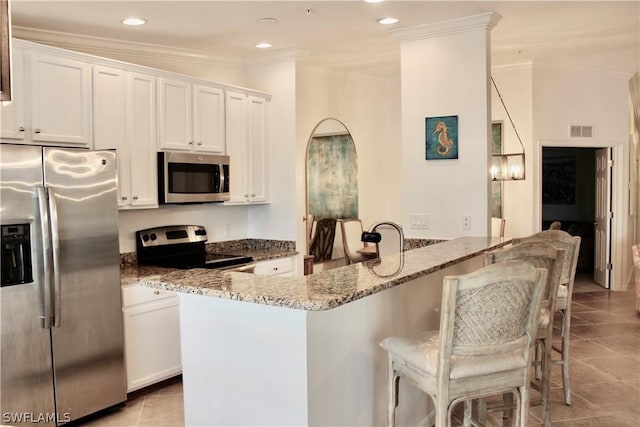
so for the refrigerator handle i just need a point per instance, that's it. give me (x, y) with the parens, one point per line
(46, 251)
(55, 243)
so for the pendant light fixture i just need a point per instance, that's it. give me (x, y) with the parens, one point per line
(507, 167)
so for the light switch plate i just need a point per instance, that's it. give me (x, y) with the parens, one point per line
(419, 221)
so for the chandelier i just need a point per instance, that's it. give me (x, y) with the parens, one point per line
(507, 167)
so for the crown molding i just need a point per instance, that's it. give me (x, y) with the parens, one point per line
(515, 66)
(102, 46)
(483, 21)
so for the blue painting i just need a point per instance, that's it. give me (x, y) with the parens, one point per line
(441, 138)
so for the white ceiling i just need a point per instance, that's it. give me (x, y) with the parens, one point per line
(345, 34)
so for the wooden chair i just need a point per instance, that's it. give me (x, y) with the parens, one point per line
(351, 232)
(544, 255)
(487, 325)
(571, 245)
(322, 243)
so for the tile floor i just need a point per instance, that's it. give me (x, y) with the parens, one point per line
(604, 371)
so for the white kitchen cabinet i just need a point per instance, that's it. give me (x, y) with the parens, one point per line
(275, 267)
(246, 135)
(191, 116)
(143, 160)
(13, 121)
(124, 119)
(151, 334)
(53, 101)
(60, 100)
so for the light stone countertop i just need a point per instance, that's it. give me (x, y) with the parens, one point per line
(324, 290)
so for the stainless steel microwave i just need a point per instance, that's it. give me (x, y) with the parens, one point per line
(192, 178)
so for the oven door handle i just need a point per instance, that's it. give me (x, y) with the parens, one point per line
(246, 268)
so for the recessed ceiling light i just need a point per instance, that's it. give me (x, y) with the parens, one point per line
(373, 1)
(263, 45)
(268, 20)
(134, 21)
(387, 21)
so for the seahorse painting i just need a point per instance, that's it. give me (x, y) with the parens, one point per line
(443, 139)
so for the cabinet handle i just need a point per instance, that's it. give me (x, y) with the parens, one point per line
(156, 292)
(253, 195)
(135, 197)
(190, 142)
(200, 143)
(21, 129)
(124, 197)
(37, 130)
(246, 195)
(275, 268)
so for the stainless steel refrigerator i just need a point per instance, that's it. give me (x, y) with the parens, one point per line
(61, 317)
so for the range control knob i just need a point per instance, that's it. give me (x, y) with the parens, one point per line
(201, 232)
(145, 237)
(153, 236)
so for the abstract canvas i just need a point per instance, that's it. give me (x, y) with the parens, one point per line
(332, 174)
(441, 134)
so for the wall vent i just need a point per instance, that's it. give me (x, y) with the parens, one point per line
(579, 131)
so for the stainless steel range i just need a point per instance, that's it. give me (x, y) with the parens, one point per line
(183, 246)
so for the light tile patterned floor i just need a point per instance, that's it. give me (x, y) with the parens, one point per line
(604, 370)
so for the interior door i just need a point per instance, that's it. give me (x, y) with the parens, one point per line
(602, 257)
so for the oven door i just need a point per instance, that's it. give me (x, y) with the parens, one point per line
(192, 178)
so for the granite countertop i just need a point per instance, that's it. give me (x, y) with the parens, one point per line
(327, 289)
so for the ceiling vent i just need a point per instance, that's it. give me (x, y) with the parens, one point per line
(578, 131)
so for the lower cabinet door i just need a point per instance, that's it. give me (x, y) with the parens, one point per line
(152, 342)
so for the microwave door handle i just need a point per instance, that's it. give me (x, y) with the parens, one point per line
(55, 243)
(41, 195)
(221, 172)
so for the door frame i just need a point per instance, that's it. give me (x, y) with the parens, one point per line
(617, 279)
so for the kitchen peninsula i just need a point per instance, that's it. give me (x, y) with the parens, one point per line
(260, 350)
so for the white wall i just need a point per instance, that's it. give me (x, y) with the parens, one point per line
(443, 76)
(369, 108)
(598, 98)
(277, 220)
(515, 86)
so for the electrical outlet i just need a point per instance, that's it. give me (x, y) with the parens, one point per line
(466, 222)
(420, 221)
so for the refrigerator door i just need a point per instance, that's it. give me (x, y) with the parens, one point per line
(87, 337)
(26, 390)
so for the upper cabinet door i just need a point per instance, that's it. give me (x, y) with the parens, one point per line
(109, 122)
(237, 149)
(141, 112)
(257, 155)
(13, 123)
(60, 100)
(208, 119)
(174, 115)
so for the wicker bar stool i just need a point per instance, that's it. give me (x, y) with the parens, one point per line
(544, 255)
(487, 326)
(571, 245)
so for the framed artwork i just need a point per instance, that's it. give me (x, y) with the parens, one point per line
(441, 135)
(559, 181)
(496, 186)
(332, 177)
